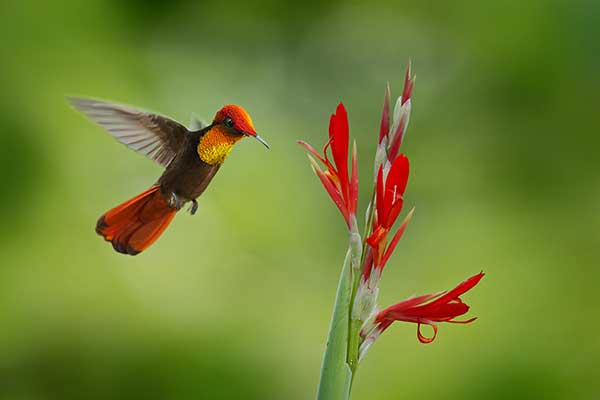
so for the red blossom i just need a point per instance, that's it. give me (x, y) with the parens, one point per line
(429, 309)
(342, 189)
(389, 198)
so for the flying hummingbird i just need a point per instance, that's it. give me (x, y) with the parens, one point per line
(191, 159)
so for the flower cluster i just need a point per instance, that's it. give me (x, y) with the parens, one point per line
(370, 254)
(429, 309)
(342, 189)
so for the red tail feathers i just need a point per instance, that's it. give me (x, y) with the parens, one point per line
(134, 225)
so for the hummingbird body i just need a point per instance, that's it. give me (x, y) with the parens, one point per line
(188, 175)
(191, 160)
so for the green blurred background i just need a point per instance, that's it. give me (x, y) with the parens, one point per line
(235, 302)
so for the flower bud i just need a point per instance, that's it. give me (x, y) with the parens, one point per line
(380, 156)
(355, 243)
(365, 301)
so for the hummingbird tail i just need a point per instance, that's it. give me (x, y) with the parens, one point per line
(134, 225)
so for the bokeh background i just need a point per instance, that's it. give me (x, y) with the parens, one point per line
(235, 302)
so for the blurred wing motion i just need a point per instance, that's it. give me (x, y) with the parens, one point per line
(134, 225)
(158, 138)
(196, 124)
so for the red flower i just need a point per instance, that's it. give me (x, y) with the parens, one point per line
(429, 309)
(389, 201)
(342, 189)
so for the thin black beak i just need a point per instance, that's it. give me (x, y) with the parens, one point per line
(262, 141)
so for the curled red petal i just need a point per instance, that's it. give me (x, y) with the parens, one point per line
(385, 115)
(424, 339)
(463, 322)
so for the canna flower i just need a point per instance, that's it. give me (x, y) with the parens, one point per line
(357, 321)
(389, 200)
(342, 188)
(430, 309)
(390, 183)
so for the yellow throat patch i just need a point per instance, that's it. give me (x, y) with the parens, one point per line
(215, 145)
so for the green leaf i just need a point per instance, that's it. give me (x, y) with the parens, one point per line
(336, 376)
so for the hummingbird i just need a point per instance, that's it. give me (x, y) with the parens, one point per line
(191, 158)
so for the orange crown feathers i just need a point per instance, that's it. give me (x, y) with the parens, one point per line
(241, 120)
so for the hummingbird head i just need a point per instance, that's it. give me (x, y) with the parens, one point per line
(237, 121)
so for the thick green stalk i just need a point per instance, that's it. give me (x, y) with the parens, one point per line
(336, 376)
(341, 355)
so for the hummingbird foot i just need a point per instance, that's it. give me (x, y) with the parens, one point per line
(194, 207)
(174, 202)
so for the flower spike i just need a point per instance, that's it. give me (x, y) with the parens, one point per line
(357, 320)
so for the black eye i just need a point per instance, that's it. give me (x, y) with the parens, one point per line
(228, 122)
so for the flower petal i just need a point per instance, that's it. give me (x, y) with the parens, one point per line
(463, 322)
(379, 195)
(338, 133)
(397, 237)
(423, 339)
(393, 213)
(331, 190)
(312, 150)
(353, 190)
(377, 236)
(395, 185)
(401, 119)
(439, 312)
(408, 84)
(385, 115)
(398, 177)
(461, 288)
(396, 311)
(368, 264)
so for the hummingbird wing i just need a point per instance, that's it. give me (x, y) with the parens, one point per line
(158, 138)
(196, 123)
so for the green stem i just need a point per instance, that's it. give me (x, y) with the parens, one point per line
(336, 375)
(354, 325)
(343, 342)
